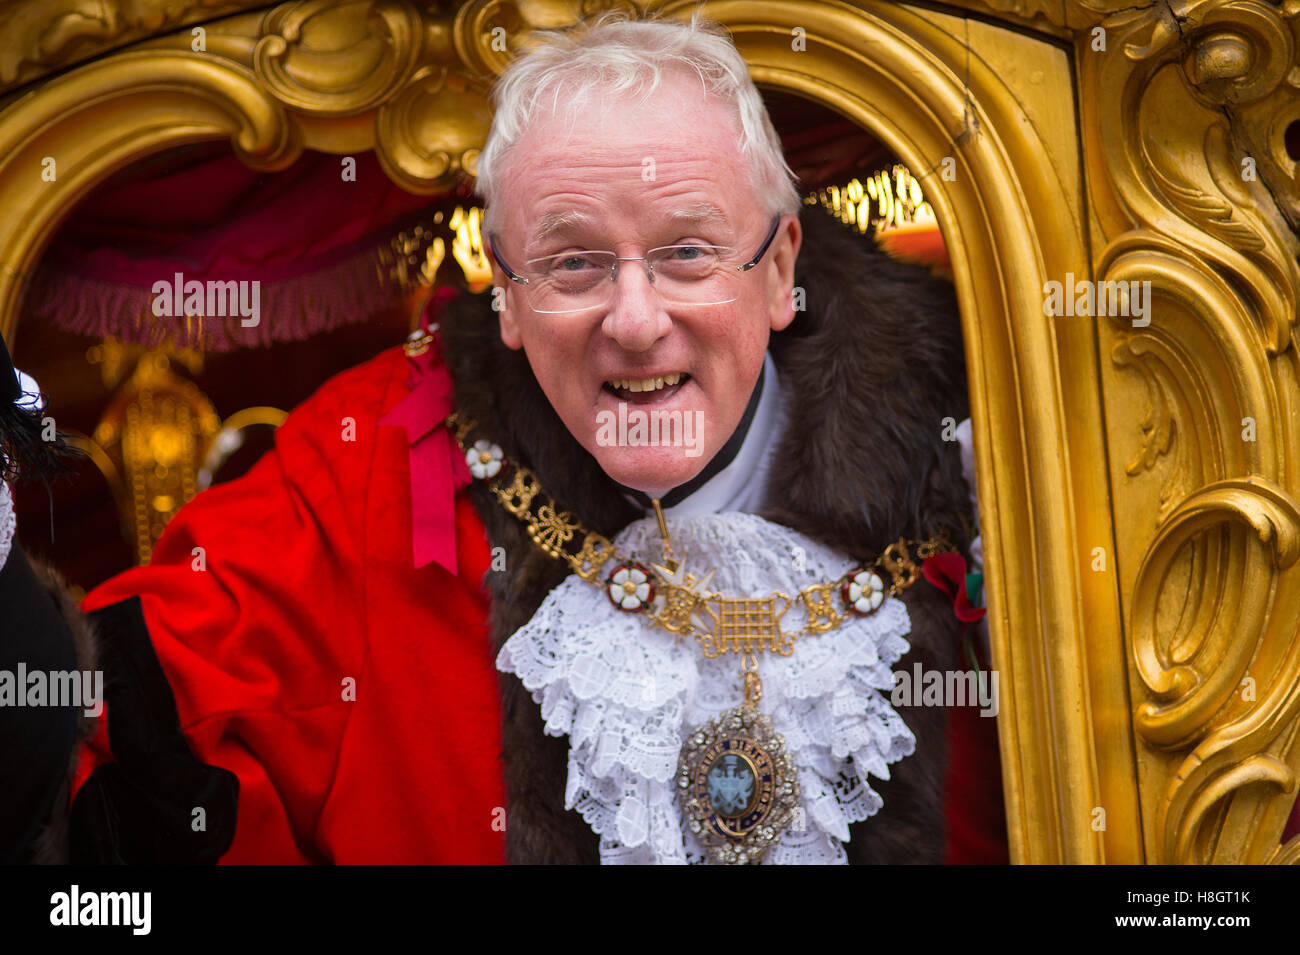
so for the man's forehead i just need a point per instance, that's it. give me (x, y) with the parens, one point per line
(625, 139)
(679, 122)
(627, 164)
(576, 220)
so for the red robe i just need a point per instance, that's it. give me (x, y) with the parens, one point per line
(309, 583)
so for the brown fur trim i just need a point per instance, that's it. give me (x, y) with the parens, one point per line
(877, 364)
(51, 846)
(873, 367)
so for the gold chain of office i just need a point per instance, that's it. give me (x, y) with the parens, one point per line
(721, 624)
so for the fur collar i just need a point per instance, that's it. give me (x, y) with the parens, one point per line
(875, 364)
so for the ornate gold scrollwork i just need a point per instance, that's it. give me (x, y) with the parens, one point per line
(430, 134)
(39, 36)
(1159, 368)
(1172, 131)
(326, 58)
(1176, 171)
(1225, 673)
(1193, 669)
(335, 59)
(483, 31)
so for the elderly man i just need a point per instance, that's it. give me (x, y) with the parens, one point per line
(602, 569)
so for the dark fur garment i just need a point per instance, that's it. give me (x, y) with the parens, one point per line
(51, 846)
(869, 373)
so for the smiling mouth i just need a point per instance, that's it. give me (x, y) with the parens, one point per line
(647, 390)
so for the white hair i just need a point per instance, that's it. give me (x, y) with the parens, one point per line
(615, 56)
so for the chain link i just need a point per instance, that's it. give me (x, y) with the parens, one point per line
(552, 530)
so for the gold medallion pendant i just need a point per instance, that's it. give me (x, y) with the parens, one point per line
(737, 783)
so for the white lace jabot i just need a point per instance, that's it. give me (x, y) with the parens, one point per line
(627, 694)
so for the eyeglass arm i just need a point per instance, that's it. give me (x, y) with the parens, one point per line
(511, 274)
(771, 234)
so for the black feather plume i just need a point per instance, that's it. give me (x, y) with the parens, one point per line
(25, 452)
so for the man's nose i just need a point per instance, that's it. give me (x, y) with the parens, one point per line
(636, 318)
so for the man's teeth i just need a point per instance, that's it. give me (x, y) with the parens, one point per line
(645, 384)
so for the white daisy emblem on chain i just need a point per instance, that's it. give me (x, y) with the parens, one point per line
(863, 592)
(484, 459)
(630, 588)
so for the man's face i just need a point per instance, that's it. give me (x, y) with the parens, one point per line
(629, 177)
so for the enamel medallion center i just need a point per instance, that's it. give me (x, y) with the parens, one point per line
(737, 785)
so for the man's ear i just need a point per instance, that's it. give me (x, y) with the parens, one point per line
(510, 335)
(785, 252)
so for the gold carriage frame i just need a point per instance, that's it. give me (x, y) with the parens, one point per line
(1137, 484)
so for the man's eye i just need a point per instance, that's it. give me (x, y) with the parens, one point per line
(687, 261)
(573, 263)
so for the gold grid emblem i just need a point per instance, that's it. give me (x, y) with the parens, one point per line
(749, 625)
